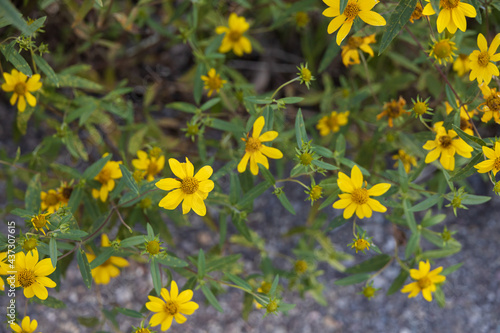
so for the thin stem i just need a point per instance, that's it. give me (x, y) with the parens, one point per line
(283, 85)
(424, 123)
(121, 218)
(293, 180)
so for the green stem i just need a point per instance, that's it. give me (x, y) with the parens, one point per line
(283, 85)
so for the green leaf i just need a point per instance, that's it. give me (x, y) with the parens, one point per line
(106, 253)
(478, 17)
(129, 312)
(155, 275)
(274, 286)
(12, 55)
(436, 219)
(370, 265)
(226, 126)
(471, 92)
(324, 165)
(45, 67)
(242, 227)
(129, 179)
(434, 254)
(267, 174)
(439, 294)
(451, 269)
(253, 193)
(32, 197)
(331, 52)
(99, 3)
(300, 129)
(343, 5)
(50, 302)
(222, 262)
(426, 204)
(83, 265)
(398, 282)
(337, 222)
(412, 244)
(291, 100)
(450, 96)
(21, 212)
(467, 170)
(325, 152)
(470, 139)
(285, 202)
(239, 282)
(73, 81)
(132, 241)
(172, 261)
(201, 264)
(182, 106)
(95, 168)
(399, 17)
(410, 218)
(210, 103)
(211, 298)
(470, 199)
(14, 16)
(53, 251)
(331, 198)
(403, 177)
(353, 279)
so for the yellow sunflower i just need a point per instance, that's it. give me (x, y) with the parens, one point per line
(233, 38)
(350, 51)
(354, 8)
(357, 198)
(407, 159)
(452, 14)
(426, 281)
(106, 177)
(213, 82)
(103, 273)
(446, 144)
(151, 164)
(493, 161)
(491, 105)
(173, 305)
(31, 274)
(51, 201)
(255, 151)
(190, 188)
(27, 326)
(393, 109)
(16, 82)
(482, 62)
(332, 122)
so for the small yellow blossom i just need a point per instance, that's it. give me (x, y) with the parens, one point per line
(357, 198)
(361, 245)
(350, 51)
(233, 38)
(332, 122)
(315, 193)
(106, 177)
(420, 106)
(461, 65)
(51, 201)
(29, 244)
(153, 247)
(192, 190)
(482, 62)
(27, 326)
(173, 305)
(465, 116)
(406, 158)
(305, 75)
(417, 13)
(491, 105)
(452, 14)
(16, 82)
(151, 164)
(31, 274)
(40, 221)
(213, 82)
(446, 144)
(301, 19)
(103, 273)
(300, 266)
(442, 50)
(393, 109)
(425, 281)
(369, 291)
(255, 151)
(354, 9)
(493, 161)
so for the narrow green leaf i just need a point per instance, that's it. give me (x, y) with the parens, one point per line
(353, 279)
(439, 294)
(239, 282)
(201, 264)
(274, 286)
(291, 100)
(343, 5)
(170, 260)
(83, 265)
(53, 251)
(467, 170)
(14, 16)
(222, 262)
(106, 253)
(151, 233)
(412, 244)
(450, 96)
(470, 139)
(198, 83)
(32, 197)
(182, 106)
(436, 219)
(403, 177)
(325, 152)
(268, 176)
(210, 103)
(285, 202)
(370, 265)
(129, 179)
(253, 193)
(95, 168)
(324, 165)
(426, 204)
(399, 17)
(45, 67)
(211, 298)
(50, 302)
(471, 199)
(410, 218)
(300, 129)
(337, 222)
(451, 269)
(226, 126)
(331, 198)
(242, 227)
(12, 55)
(446, 252)
(129, 312)
(155, 275)
(132, 241)
(398, 282)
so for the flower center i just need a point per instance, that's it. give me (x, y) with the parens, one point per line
(442, 49)
(39, 221)
(393, 111)
(464, 124)
(190, 185)
(214, 82)
(20, 88)
(300, 266)
(153, 247)
(253, 145)
(351, 10)
(305, 74)
(26, 277)
(360, 196)
(449, 4)
(445, 141)
(483, 59)
(420, 108)
(104, 176)
(51, 199)
(493, 103)
(417, 13)
(496, 165)
(424, 282)
(361, 244)
(333, 122)
(305, 159)
(152, 168)
(234, 36)
(354, 42)
(171, 308)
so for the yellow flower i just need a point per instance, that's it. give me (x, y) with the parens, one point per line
(315, 193)
(233, 38)
(442, 50)
(461, 64)
(109, 269)
(407, 160)
(173, 305)
(16, 82)
(350, 53)
(332, 122)
(26, 326)
(4, 268)
(300, 266)
(301, 19)
(213, 81)
(40, 221)
(142, 330)
(482, 62)
(106, 177)
(425, 281)
(491, 105)
(354, 8)
(51, 201)
(151, 164)
(417, 13)
(465, 124)
(31, 274)
(393, 110)
(265, 288)
(192, 189)
(361, 244)
(493, 161)
(255, 151)
(446, 144)
(356, 198)
(452, 14)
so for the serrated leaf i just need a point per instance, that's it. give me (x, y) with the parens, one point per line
(399, 17)
(370, 265)
(211, 298)
(96, 167)
(45, 67)
(129, 179)
(83, 265)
